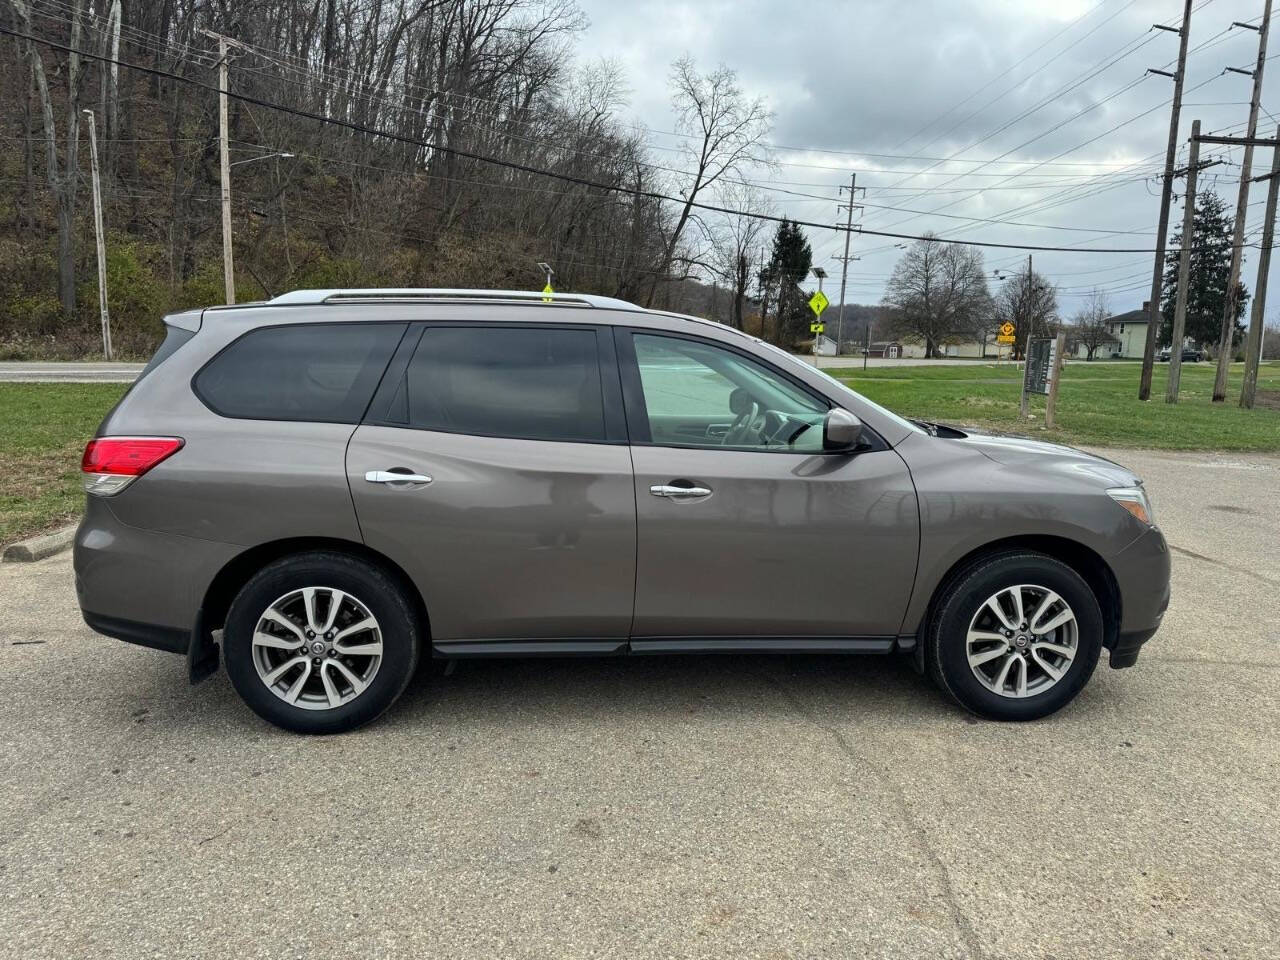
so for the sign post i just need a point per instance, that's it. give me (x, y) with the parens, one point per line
(1051, 406)
(817, 303)
(1024, 404)
(1041, 372)
(1005, 335)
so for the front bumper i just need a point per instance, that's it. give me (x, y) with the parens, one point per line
(1142, 575)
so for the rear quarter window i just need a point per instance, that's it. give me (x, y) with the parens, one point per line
(322, 372)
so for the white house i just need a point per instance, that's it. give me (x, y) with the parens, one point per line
(1130, 333)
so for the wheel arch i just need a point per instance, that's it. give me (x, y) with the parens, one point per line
(1085, 561)
(236, 572)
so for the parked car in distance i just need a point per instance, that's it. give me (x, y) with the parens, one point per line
(1189, 355)
(344, 481)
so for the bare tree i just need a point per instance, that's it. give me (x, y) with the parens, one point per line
(1029, 302)
(62, 177)
(1089, 325)
(738, 242)
(726, 133)
(937, 293)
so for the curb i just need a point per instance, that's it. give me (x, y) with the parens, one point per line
(38, 548)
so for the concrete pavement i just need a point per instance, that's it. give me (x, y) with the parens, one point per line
(668, 807)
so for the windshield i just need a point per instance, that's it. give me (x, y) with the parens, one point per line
(793, 361)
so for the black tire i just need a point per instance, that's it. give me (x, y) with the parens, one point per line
(959, 600)
(378, 591)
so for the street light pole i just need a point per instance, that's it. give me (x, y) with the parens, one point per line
(98, 234)
(224, 159)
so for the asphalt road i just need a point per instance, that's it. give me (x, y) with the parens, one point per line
(65, 372)
(701, 807)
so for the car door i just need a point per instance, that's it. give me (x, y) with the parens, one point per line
(493, 467)
(747, 529)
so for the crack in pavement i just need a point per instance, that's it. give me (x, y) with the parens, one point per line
(967, 934)
(1228, 566)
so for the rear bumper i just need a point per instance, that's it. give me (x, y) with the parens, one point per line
(142, 587)
(1142, 574)
(150, 635)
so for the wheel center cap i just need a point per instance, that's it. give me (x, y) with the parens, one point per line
(317, 647)
(1021, 641)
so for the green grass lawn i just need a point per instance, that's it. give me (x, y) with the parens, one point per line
(43, 430)
(44, 426)
(1097, 404)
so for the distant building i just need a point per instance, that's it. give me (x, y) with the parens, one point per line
(1129, 331)
(888, 350)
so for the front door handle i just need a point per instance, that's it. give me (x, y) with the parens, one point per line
(672, 491)
(396, 475)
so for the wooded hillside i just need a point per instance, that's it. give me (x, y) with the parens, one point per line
(446, 81)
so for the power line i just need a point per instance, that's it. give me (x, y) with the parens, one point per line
(529, 169)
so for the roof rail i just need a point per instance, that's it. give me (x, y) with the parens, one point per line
(429, 295)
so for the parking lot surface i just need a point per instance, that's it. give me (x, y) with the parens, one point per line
(670, 807)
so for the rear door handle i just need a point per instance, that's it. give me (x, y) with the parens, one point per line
(673, 492)
(396, 475)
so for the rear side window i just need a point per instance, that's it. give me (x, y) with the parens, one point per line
(520, 382)
(324, 372)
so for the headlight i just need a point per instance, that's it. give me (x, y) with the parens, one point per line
(1134, 499)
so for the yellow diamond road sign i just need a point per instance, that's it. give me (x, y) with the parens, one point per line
(1006, 329)
(818, 302)
(547, 292)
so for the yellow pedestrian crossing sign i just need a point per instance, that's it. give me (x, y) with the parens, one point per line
(818, 302)
(547, 292)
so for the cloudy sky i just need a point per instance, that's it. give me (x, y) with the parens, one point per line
(956, 112)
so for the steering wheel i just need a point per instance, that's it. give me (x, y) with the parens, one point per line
(747, 417)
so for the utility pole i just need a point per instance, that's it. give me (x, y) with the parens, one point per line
(1253, 345)
(97, 227)
(1157, 274)
(1225, 335)
(844, 261)
(228, 262)
(1184, 269)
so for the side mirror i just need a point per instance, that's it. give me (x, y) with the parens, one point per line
(841, 430)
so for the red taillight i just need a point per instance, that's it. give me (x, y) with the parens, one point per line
(127, 456)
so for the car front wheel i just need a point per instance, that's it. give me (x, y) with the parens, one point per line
(321, 642)
(1015, 636)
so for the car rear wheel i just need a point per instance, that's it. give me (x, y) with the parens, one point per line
(1015, 636)
(321, 642)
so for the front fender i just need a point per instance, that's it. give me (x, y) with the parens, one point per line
(968, 501)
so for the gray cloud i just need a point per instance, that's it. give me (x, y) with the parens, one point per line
(869, 76)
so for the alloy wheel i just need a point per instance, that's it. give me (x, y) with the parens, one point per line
(1022, 641)
(317, 647)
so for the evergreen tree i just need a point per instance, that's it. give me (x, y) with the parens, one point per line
(1209, 273)
(787, 268)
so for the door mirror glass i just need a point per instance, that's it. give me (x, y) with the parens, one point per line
(841, 430)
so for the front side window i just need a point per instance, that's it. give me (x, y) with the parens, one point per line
(529, 383)
(697, 394)
(321, 372)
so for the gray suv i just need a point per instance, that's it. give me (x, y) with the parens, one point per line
(344, 481)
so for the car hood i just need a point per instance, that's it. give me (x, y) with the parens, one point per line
(1025, 452)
